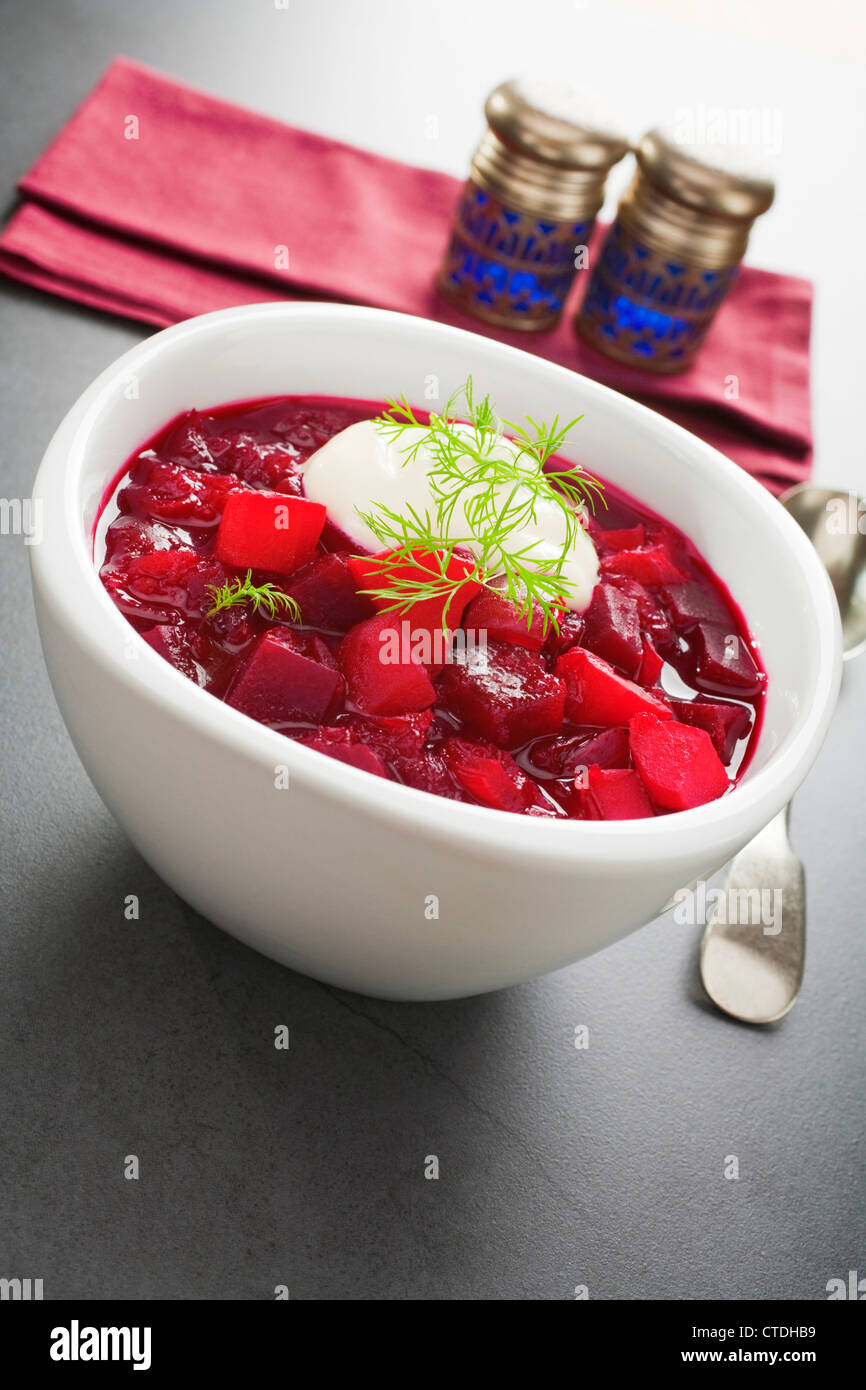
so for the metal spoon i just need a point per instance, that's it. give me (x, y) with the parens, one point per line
(754, 970)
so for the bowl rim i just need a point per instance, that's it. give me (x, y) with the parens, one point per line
(66, 577)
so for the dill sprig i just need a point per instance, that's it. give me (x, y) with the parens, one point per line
(267, 598)
(499, 491)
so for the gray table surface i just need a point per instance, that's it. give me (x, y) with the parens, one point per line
(559, 1167)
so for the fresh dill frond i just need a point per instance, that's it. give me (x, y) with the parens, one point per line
(266, 598)
(498, 489)
(399, 579)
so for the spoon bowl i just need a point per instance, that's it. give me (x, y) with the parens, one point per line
(835, 523)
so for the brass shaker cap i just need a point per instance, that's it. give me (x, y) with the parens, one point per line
(715, 183)
(545, 120)
(540, 155)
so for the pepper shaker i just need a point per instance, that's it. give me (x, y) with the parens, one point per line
(527, 211)
(671, 256)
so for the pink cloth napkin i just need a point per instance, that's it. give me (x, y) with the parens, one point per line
(205, 205)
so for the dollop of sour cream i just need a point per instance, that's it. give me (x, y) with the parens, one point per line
(364, 465)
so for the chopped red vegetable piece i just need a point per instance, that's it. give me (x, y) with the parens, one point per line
(326, 594)
(504, 693)
(382, 677)
(284, 679)
(678, 764)
(269, 531)
(692, 603)
(725, 662)
(562, 756)
(492, 776)
(503, 621)
(651, 665)
(725, 723)
(654, 621)
(650, 566)
(626, 538)
(612, 628)
(614, 793)
(568, 633)
(370, 572)
(597, 694)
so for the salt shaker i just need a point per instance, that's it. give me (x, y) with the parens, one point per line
(672, 254)
(526, 214)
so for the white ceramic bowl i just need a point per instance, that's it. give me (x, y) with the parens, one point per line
(334, 875)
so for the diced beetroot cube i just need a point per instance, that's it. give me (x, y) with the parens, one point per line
(596, 694)
(561, 757)
(627, 538)
(432, 646)
(503, 621)
(397, 736)
(568, 634)
(691, 603)
(383, 678)
(678, 764)
(654, 621)
(650, 566)
(614, 793)
(503, 692)
(326, 595)
(269, 531)
(725, 662)
(308, 644)
(609, 748)
(651, 665)
(491, 776)
(726, 724)
(339, 743)
(177, 579)
(371, 572)
(279, 683)
(647, 604)
(426, 772)
(612, 628)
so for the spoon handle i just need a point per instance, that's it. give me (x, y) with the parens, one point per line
(754, 945)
